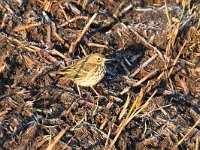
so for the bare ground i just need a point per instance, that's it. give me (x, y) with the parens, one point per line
(150, 94)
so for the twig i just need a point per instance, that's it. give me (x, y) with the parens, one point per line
(168, 15)
(177, 57)
(66, 113)
(134, 105)
(89, 104)
(147, 44)
(130, 118)
(55, 52)
(124, 68)
(106, 119)
(85, 4)
(53, 26)
(125, 107)
(186, 135)
(46, 54)
(4, 20)
(145, 78)
(9, 9)
(56, 140)
(125, 90)
(131, 110)
(72, 20)
(107, 139)
(73, 45)
(41, 69)
(125, 10)
(71, 7)
(96, 45)
(55, 34)
(47, 5)
(144, 65)
(187, 21)
(83, 50)
(24, 27)
(64, 13)
(4, 112)
(118, 8)
(48, 33)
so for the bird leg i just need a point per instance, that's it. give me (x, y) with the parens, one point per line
(79, 91)
(98, 95)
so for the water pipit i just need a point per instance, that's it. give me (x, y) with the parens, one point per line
(87, 71)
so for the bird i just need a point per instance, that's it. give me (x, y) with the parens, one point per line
(86, 72)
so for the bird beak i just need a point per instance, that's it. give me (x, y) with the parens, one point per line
(108, 60)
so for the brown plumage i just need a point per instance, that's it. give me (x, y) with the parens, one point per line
(87, 71)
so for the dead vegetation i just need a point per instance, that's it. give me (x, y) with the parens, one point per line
(150, 94)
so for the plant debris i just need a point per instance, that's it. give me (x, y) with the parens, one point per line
(150, 95)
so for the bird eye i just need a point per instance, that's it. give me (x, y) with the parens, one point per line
(98, 58)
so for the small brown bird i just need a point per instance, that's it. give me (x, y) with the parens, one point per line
(87, 71)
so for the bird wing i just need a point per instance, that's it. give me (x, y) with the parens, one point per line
(84, 70)
(70, 72)
(77, 71)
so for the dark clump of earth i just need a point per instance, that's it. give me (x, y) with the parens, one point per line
(155, 51)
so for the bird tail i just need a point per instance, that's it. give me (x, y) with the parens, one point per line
(59, 72)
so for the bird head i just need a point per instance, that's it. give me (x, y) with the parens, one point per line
(97, 58)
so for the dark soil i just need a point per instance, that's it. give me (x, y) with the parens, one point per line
(35, 106)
